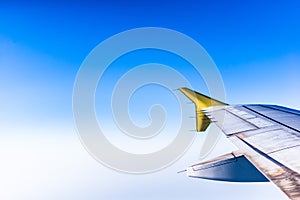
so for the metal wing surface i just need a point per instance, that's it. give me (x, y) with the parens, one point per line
(268, 139)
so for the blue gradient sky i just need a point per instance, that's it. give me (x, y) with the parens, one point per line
(255, 45)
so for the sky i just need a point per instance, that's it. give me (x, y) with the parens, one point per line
(255, 46)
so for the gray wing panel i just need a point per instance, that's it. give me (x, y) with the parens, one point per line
(269, 137)
(284, 116)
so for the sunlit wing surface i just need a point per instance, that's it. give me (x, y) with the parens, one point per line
(267, 136)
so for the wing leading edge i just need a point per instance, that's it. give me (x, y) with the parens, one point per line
(267, 136)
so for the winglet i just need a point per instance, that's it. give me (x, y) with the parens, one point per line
(201, 101)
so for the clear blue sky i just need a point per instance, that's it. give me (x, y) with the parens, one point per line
(233, 32)
(255, 44)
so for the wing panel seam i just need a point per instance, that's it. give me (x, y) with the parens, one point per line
(271, 119)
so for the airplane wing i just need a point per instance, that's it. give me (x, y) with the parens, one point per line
(268, 139)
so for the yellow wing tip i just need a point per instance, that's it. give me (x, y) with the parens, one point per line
(201, 101)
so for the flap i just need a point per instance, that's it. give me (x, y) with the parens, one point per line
(229, 167)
